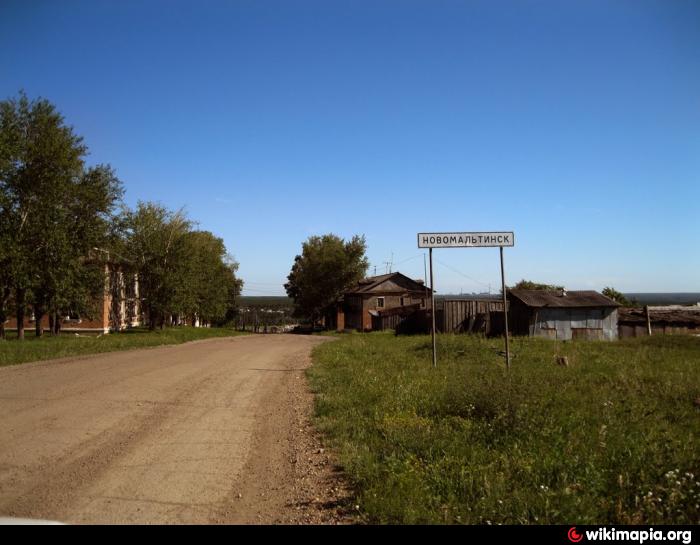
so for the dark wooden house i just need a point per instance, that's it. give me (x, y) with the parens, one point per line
(562, 315)
(378, 302)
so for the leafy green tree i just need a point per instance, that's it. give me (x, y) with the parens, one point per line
(5, 263)
(530, 285)
(70, 281)
(327, 266)
(616, 296)
(52, 210)
(208, 283)
(184, 274)
(154, 240)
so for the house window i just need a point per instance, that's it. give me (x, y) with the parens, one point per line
(380, 302)
(72, 316)
(402, 302)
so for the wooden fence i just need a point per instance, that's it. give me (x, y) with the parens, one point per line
(452, 316)
(469, 316)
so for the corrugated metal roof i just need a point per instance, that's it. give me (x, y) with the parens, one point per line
(562, 299)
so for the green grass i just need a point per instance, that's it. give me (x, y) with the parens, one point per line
(612, 438)
(13, 351)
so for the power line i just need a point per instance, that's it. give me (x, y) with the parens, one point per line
(409, 259)
(462, 274)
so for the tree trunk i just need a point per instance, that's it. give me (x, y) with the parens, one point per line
(20, 314)
(151, 319)
(3, 311)
(38, 317)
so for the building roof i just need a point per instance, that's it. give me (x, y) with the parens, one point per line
(562, 298)
(402, 284)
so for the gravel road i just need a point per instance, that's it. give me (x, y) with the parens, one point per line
(212, 431)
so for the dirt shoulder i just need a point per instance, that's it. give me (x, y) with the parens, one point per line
(293, 478)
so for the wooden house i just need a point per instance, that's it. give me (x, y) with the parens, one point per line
(378, 302)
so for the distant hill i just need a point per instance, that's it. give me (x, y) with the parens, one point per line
(689, 298)
(468, 296)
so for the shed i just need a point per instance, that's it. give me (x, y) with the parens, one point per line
(562, 314)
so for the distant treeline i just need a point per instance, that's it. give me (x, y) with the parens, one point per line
(265, 301)
(686, 298)
(259, 312)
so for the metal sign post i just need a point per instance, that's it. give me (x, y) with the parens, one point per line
(505, 308)
(432, 308)
(468, 240)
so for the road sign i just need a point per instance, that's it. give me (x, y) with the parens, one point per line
(478, 239)
(466, 240)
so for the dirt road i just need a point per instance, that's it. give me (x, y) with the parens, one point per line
(213, 431)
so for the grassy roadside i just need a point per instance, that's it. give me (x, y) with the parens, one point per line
(13, 352)
(612, 438)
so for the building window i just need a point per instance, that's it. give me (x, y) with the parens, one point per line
(402, 302)
(380, 302)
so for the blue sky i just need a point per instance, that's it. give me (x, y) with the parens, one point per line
(575, 124)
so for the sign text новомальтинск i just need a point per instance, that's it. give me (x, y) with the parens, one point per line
(466, 240)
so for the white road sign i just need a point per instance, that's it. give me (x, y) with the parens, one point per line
(466, 240)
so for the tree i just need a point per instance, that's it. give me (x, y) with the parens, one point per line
(69, 281)
(233, 291)
(183, 273)
(153, 239)
(530, 285)
(327, 266)
(612, 293)
(52, 210)
(208, 286)
(5, 263)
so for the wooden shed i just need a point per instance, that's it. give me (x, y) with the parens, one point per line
(562, 314)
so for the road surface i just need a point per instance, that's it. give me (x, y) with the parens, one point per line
(212, 431)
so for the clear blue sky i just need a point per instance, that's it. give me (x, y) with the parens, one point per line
(575, 124)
